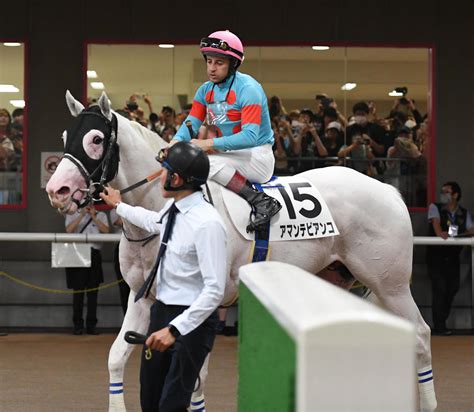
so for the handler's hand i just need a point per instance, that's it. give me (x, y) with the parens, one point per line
(111, 196)
(91, 210)
(160, 340)
(206, 144)
(444, 235)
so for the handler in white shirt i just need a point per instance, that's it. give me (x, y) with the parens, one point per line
(190, 279)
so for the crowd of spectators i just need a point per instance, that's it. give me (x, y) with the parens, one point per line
(390, 148)
(11, 140)
(166, 123)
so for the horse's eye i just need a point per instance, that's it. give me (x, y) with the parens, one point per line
(97, 140)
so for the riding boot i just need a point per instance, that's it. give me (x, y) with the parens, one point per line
(263, 206)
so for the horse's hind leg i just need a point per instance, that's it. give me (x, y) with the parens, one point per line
(403, 305)
(136, 319)
(390, 283)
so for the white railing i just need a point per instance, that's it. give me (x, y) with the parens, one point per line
(436, 241)
(58, 237)
(115, 237)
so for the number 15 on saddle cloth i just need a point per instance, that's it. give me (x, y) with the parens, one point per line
(305, 214)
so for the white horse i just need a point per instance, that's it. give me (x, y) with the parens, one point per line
(375, 241)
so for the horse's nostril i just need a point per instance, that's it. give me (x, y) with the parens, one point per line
(63, 191)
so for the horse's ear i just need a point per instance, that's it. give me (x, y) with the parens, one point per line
(104, 104)
(75, 106)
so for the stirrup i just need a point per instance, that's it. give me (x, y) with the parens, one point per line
(254, 227)
(263, 218)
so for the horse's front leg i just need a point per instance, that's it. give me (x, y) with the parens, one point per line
(136, 319)
(198, 403)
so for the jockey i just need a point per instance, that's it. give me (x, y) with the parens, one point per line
(234, 105)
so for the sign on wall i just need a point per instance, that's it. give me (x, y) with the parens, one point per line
(49, 163)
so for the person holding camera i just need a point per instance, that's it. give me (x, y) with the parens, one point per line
(361, 154)
(325, 113)
(285, 146)
(407, 171)
(132, 107)
(86, 220)
(311, 144)
(136, 113)
(368, 131)
(237, 106)
(276, 109)
(333, 140)
(403, 148)
(7, 148)
(447, 218)
(406, 106)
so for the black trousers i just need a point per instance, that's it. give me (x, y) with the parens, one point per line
(444, 271)
(77, 305)
(168, 379)
(85, 278)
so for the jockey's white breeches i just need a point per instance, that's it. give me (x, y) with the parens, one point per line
(256, 164)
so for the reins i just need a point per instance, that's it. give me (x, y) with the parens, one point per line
(147, 179)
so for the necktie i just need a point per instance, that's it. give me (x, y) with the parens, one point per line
(146, 287)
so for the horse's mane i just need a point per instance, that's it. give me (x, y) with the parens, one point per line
(153, 139)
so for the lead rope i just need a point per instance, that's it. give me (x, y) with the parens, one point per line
(136, 338)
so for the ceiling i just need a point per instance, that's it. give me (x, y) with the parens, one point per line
(294, 73)
(11, 72)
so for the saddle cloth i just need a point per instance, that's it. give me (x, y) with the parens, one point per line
(304, 215)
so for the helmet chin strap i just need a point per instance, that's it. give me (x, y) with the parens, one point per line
(230, 72)
(167, 186)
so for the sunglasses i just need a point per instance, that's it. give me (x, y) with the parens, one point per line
(218, 44)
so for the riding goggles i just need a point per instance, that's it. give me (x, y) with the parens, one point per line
(162, 155)
(219, 44)
(161, 158)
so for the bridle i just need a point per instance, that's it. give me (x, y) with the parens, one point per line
(95, 187)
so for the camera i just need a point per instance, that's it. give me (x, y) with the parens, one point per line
(132, 106)
(403, 90)
(326, 101)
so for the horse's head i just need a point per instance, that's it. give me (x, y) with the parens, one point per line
(91, 156)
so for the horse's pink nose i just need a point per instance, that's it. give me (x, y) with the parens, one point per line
(63, 191)
(57, 191)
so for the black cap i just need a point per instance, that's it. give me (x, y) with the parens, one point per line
(187, 160)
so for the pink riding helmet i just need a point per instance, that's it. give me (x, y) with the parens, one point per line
(225, 43)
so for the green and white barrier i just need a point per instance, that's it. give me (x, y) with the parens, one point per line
(306, 345)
